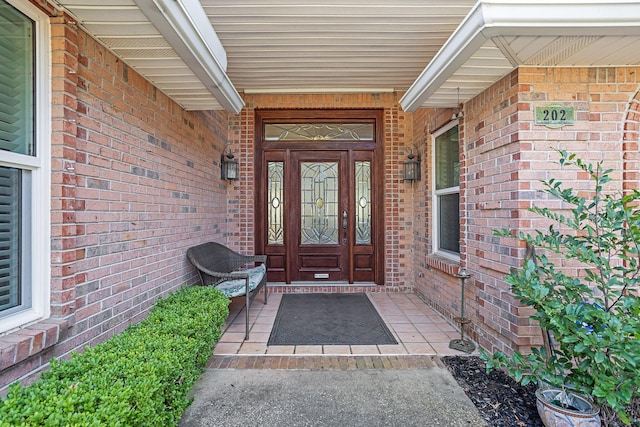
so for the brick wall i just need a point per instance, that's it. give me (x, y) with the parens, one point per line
(508, 155)
(630, 145)
(135, 182)
(492, 150)
(434, 277)
(504, 155)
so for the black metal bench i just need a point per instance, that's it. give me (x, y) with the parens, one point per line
(226, 269)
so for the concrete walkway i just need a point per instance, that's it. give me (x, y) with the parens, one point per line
(329, 391)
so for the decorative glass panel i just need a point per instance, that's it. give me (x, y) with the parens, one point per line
(363, 203)
(10, 214)
(276, 203)
(319, 196)
(16, 81)
(447, 159)
(318, 132)
(449, 217)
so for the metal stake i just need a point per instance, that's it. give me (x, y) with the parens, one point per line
(462, 344)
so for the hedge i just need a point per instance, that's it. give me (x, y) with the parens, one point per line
(141, 377)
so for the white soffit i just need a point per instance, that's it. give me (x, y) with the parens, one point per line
(169, 42)
(331, 46)
(275, 46)
(499, 35)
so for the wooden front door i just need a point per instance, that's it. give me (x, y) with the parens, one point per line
(318, 214)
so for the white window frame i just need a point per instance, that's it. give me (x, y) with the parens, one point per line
(36, 252)
(435, 232)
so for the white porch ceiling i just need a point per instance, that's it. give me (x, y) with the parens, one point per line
(302, 46)
(354, 45)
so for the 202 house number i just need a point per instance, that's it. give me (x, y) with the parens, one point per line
(554, 116)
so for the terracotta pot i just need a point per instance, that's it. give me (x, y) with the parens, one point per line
(586, 414)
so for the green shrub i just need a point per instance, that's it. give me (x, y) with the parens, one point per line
(141, 377)
(594, 315)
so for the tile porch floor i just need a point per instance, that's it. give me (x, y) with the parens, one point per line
(419, 330)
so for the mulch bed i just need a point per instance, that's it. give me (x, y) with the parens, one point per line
(503, 402)
(499, 399)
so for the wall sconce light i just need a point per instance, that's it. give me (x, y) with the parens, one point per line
(411, 167)
(229, 169)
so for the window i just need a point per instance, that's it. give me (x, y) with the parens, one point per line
(446, 197)
(346, 132)
(24, 165)
(275, 209)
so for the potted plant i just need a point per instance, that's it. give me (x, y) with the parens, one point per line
(592, 317)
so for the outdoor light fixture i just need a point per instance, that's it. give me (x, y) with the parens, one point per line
(411, 167)
(228, 167)
(458, 115)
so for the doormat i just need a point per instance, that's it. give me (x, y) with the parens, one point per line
(328, 319)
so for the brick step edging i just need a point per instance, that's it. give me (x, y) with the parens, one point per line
(338, 363)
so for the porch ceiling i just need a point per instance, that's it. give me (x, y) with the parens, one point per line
(428, 49)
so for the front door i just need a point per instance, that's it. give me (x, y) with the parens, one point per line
(318, 214)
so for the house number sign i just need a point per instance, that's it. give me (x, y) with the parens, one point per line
(554, 116)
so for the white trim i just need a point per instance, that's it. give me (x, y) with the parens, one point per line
(189, 32)
(434, 198)
(23, 161)
(39, 227)
(494, 18)
(329, 90)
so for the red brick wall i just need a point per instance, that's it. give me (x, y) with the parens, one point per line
(135, 182)
(508, 155)
(493, 185)
(433, 276)
(504, 155)
(630, 145)
(146, 172)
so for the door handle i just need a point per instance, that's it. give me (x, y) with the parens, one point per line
(345, 224)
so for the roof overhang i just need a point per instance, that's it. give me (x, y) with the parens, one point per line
(497, 36)
(191, 35)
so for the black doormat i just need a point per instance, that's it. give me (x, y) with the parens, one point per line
(328, 319)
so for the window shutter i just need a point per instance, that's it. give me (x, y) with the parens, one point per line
(16, 81)
(9, 233)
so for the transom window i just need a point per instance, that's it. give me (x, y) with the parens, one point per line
(319, 132)
(446, 196)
